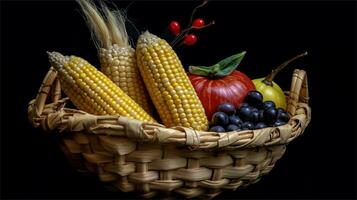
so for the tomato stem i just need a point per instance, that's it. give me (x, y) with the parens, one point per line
(269, 79)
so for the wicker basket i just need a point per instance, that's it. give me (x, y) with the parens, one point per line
(151, 159)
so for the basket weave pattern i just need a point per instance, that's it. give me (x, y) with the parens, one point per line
(150, 158)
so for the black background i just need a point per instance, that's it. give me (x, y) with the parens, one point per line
(319, 164)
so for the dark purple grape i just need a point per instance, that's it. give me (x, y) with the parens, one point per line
(254, 98)
(254, 116)
(270, 115)
(220, 118)
(244, 113)
(283, 116)
(227, 108)
(217, 129)
(247, 126)
(254, 109)
(280, 110)
(279, 123)
(232, 127)
(243, 105)
(268, 104)
(260, 125)
(261, 115)
(234, 119)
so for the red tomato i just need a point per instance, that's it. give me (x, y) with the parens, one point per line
(232, 89)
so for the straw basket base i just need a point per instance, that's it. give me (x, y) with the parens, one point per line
(151, 159)
(167, 170)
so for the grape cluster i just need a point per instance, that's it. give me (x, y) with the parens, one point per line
(252, 114)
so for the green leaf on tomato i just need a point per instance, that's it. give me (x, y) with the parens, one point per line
(220, 69)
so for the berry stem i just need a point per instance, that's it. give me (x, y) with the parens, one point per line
(189, 26)
(269, 79)
(195, 9)
(180, 44)
(185, 31)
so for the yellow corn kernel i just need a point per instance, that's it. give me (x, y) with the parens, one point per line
(119, 64)
(93, 92)
(117, 57)
(169, 87)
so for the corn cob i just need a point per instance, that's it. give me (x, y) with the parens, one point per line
(117, 57)
(168, 84)
(93, 92)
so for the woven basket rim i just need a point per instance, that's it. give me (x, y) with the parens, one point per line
(55, 117)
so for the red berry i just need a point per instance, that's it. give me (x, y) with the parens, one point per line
(198, 23)
(175, 28)
(190, 39)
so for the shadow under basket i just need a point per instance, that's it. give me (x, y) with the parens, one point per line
(151, 159)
